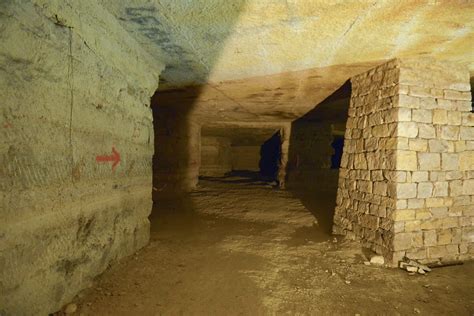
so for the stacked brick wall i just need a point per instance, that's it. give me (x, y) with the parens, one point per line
(406, 185)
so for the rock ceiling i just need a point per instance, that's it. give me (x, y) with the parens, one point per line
(275, 60)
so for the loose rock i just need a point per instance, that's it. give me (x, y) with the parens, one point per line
(377, 260)
(70, 309)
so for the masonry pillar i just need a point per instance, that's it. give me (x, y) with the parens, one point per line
(177, 151)
(406, 183)
(216, 158)
(285, 133)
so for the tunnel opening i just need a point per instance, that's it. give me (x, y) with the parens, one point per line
(337, 144)
(270, 157)
(240, 150)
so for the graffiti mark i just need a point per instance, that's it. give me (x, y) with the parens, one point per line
(115, 158)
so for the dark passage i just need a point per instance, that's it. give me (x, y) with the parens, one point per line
(270, 155)
(338, 145)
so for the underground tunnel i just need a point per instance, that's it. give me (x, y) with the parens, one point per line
(246, 157)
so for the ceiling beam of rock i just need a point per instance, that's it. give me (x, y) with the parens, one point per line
(261, 60)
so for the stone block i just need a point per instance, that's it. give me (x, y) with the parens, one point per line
(430, 238)
(467, 119)
(401, 204)
(446, 104)
(403, 241)
(425, 189)
(439, 212)
(440, 145)
(434, 202)
(418, 144)
(429, 161)
(444, 237)
(419, 176)
(406, 190)
(407, 129)
(426, 131)
(453, 175)
(440, 117)
(412, 226)
(454, 117)
(466, 161)
(417, 253)
(468, 234)
(440, 189)
(449, 161)
(468, 187)
(457, 95)
(404, 115)
(407, 101)
(467, 133)
(437, 252)
(380, 188)
(401, 143)
(456, 187)
(417, 91)
(449, 222)
(422, 115)
(437, 175)
(423, 214)
(404, 215)
(450, 132)
(406, 160)
(463, 106)
(384, 130)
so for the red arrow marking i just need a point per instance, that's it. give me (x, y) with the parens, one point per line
(115, 158)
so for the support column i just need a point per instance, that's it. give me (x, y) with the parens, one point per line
(285, 133)
(177, 151)
(406, 184)
(215, 156)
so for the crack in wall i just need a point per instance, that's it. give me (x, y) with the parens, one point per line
(71, 88)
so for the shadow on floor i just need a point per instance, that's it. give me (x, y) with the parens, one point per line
(241, 177)
(321, 205)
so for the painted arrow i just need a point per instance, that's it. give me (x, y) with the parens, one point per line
(115, 158)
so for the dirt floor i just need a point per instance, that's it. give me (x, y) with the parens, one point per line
(238, 246)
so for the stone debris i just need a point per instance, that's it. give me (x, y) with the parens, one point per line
(377, 260)
(413, 266)
(70, 309)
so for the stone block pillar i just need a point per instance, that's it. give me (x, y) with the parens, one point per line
(177, 151)
(285, 133)
(216, 157)
(406, 184)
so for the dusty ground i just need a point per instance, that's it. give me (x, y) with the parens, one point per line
(240, 247)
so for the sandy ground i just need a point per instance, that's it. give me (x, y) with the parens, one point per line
(240, 247)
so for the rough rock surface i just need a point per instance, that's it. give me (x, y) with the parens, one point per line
(74, 87)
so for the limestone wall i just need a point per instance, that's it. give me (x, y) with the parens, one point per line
(74, 89)
(406, 178)
(216, 156)
(245, 158)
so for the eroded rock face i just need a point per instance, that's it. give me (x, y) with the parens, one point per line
(75, 156)
(272, 60)
(218, 40)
